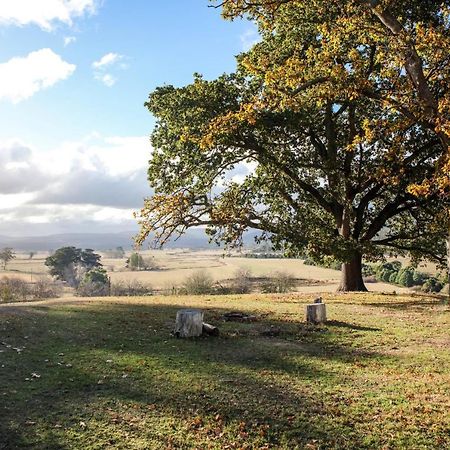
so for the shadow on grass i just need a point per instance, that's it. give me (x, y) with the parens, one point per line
(97, 366)
(420, 303)
(337, 323)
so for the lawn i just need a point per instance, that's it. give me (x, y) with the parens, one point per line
(105, 373)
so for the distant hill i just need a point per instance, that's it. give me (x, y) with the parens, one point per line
(194, 238)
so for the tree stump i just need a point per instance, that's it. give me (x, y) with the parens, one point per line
(189, 323)
(316, 313)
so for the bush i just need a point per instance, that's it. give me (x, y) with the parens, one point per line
(279, 282)
(405, 277)
(385, 274)
(309, 262)
(132, 288)
(137, 262)
(18, 290)
(94, 284)
(13, 290)
(89, 288)
(393, 277)
(46, 288)
(432, 285)
(98, 275)
(368, 270)
(242, 283)
(199, 283)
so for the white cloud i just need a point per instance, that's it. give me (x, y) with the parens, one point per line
(249, 38)
(107, 60)
(44, 13)
(22, 77)
(94, 183)
(90, 185)
(107, 79)
(69, 40)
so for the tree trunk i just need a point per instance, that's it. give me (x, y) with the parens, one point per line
(448, 255)
(351, 275)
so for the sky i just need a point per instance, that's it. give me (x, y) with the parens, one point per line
(74, 76)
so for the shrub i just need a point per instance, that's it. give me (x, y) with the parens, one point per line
(242, 282)
(432, 285)
(368, 270)
(137, 262)
(98, 275)
(393, 277)
(94, 284)
(384, 271)
(405, 277)
(199, 283)
(46, 288)
(279, 282)
(131, 288)
(89, 288)
(309, 262)
(419, 278)
(385, 274)
(13, 290)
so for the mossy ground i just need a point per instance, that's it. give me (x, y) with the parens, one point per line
(105, 373)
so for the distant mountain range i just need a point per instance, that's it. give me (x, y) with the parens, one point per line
(194, 238)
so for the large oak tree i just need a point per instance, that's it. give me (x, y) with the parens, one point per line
(319, 183)
(403, 45)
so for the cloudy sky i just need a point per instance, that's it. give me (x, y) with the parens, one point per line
(74, 75)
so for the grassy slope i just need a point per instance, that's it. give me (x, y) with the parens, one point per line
(107, 374)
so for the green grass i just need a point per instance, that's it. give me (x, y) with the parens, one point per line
(107, 374)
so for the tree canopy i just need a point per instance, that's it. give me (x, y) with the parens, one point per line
(70, 264)
(336, 136)
(6, 255)
(393, 53)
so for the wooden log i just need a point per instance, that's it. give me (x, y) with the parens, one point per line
(189, 323)
(316, 313)
(210, 329)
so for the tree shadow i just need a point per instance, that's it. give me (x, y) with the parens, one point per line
(337, 323)
(122, 355)
(421, 303)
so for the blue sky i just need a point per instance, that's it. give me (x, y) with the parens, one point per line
(74, 75)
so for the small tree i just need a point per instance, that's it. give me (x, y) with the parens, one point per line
(31, 254)
(70, 264)
(95, 283)
(135, 262)
(6, 255)
(199, 283)
(242, 282)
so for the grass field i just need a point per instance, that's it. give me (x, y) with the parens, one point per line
(106, 374)
(174, 266)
